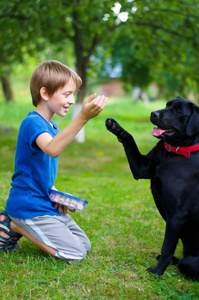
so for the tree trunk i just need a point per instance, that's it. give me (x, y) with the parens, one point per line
(81, 64)
(6, 86)
(80, 137)
(82, 54)
(82, 91)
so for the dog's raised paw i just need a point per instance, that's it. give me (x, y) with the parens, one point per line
(115, 128)
(110, 123)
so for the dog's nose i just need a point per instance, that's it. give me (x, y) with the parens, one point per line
(155, 114)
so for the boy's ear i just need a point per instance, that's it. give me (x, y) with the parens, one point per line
(44, 93)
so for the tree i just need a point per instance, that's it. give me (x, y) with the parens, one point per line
(164, 34)
(171, 44)
(86, 23)
(17, 37)
(160, 43)
(160, 30)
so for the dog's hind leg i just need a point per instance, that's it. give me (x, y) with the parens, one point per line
(189, 266)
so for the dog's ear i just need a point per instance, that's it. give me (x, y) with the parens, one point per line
(193, 124)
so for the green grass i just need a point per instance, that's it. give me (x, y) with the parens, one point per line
(121, 220)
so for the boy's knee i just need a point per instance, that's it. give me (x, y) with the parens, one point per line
(84, 248)
(88, 246)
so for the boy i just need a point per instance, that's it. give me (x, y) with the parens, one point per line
(29, 211)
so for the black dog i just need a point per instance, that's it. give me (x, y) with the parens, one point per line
(173, 168)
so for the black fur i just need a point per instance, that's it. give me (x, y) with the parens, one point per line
(174, 180)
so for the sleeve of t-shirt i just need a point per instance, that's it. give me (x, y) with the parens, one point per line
(33, 127)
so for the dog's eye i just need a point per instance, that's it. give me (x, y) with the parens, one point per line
(177, 110)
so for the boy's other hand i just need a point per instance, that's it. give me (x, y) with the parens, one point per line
(63, 208)
(93, 106)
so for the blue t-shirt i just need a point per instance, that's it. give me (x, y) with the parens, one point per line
(35, 171)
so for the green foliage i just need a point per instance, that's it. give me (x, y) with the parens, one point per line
(121, 220)
(158, 41)
(172, 49)
(134, 69)
(17, 36)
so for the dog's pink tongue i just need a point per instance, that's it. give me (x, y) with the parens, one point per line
(157, 131)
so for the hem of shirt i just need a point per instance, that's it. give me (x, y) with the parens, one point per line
(30, 216)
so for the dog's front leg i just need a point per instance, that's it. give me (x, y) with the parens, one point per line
(140, 165)
(173, 227)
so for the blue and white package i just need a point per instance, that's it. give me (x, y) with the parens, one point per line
(68, 200)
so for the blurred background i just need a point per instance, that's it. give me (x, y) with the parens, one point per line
(147, 49)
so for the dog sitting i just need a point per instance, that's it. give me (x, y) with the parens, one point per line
(173, 169)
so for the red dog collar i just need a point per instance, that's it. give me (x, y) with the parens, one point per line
(181, 150)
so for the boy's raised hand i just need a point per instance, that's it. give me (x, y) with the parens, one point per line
(93, 106)
(55, 146)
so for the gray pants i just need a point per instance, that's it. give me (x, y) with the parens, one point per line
(59, 232)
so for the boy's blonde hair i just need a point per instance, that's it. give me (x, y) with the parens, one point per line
(52, 75)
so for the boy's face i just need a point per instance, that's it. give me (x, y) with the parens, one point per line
(62, 99)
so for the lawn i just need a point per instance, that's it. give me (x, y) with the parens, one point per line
(121, 220)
